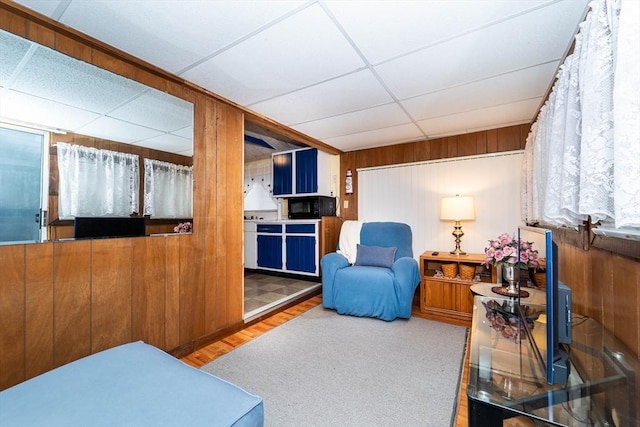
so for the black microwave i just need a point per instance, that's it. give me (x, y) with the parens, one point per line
(311, 207)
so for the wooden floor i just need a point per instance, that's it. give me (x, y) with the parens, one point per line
(225, 345)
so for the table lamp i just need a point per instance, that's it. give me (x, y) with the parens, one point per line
(457, 209)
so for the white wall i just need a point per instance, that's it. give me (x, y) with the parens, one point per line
(411, 194)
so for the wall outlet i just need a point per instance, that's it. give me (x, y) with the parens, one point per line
(345, 204)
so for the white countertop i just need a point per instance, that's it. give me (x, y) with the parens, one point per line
(281, 221)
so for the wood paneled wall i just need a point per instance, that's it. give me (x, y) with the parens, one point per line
(60, 301)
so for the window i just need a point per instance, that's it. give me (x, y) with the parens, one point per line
(81, 168)
(23, 187)
(168, 190)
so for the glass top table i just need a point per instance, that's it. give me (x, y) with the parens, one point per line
(507, 379)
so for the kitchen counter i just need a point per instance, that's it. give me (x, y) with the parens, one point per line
(281, 221)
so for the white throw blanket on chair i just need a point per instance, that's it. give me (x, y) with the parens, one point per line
(349, 239)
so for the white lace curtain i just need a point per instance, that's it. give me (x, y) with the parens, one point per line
(582, 157)
(168, 190)
(95, 182)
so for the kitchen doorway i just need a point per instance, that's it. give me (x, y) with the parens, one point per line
(265, 292)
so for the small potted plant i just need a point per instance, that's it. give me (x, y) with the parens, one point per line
(183, 227)
(507, 253)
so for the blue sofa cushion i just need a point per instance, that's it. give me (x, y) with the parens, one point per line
(375, 256)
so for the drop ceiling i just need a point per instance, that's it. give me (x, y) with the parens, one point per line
(352, 74)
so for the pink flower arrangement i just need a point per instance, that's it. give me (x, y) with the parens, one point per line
(183, 227)
(505, 250)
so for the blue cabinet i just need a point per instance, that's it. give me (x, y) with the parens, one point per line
(282, 173)
(269, 244)
(288, 247)
(302, 172)
(307, 171)
(301, 253)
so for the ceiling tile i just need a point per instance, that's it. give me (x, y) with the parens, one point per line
(349, 93)
(486, 53)
(169, 143)
(172, 34)
(300, 51)
(385, 29)
(13, 51)
(42, 112)
(157, 110)
(486, 118)
(69, 81)
(358, 121)
(47, 8)
(517, 86)
(376, 138)
(186, 132)
(109, 128)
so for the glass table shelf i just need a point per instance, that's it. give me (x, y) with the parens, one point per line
(507, 378)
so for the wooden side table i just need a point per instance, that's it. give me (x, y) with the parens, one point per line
(449, 299)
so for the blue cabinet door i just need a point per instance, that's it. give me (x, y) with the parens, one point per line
(282, 173)
(270, 251)
(301, 253)
(307, 171)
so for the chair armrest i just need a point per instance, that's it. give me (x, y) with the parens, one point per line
(329, 265)
(407, 276)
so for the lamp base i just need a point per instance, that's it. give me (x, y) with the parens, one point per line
(458, 233)
(457, 251)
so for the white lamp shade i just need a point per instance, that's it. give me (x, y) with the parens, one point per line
(457, 209)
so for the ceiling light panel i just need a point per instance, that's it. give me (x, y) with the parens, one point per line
(357, 121)
(486, 53)
(416, 24)
(517, 86)
(341, 95)
(300, 51)
(172, 34)
(378, 137)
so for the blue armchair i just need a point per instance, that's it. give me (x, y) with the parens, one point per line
(381, 283)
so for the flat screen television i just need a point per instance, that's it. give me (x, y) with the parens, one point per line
(553, 353)
(105, 227)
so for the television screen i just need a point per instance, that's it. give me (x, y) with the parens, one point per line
(103, 227)
(558, 303)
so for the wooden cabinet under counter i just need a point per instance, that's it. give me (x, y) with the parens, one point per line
(449, 299)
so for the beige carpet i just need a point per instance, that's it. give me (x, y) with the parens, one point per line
(324, 369)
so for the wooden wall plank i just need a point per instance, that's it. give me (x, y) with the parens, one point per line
(626, 286)
(39, 309)
(172, 291)
(111, 274)
(192, 297)
(232, 279)
(148, 291)
(72, 301)
(12, 315)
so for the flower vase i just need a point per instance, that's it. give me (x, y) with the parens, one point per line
(509, 274)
